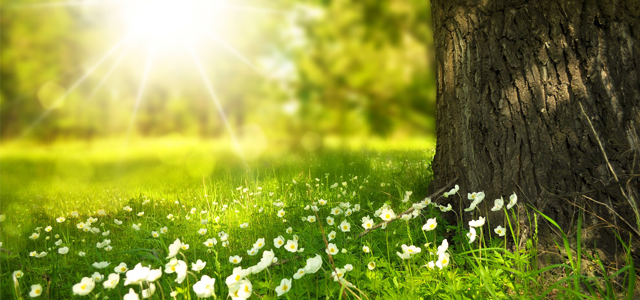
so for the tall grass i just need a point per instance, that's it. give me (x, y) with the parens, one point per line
(186, 189)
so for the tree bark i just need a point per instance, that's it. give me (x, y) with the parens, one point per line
(541, 98)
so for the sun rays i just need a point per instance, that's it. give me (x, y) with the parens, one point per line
(157, 26)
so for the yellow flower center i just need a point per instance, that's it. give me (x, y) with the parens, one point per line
(388, 216)
(260, 245)
(237, 277)
(235, 260)
(432, 226)
(332, 250)
(280, 242)
(444, 261)
(409, 250)
(173, 268)
(84, 286)
(285, 287)
(293, 246)
(246, 288)
(37, 291)
(345, 227)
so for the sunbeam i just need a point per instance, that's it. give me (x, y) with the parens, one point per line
(215, 100)
(113, 67)
(234, 52)
(73, 87)
(141, 89)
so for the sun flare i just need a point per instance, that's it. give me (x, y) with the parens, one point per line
(168, 22)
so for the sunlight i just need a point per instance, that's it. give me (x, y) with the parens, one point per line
(169, 22)
(75, 85)
(215, 100)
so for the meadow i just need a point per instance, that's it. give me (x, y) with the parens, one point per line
(169, 219)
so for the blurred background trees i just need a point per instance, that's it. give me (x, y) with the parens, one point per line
(309, 71)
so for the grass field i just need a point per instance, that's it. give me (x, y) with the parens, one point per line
(68, 209)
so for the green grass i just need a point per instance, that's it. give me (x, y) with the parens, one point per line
(171, 177)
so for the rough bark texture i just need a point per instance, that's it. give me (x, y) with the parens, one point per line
(541, 98)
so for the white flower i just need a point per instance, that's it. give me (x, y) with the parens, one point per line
(345, 226)
(60, 219)
(453, 191)
(477, 223)
(210, 242)
(117, 222)
(289, 230)
(237, 275)
(445, 208)
(412, 250)
(41, 254)
(498, 203)
(259, 243)
(121, 268)
(81, 254)
(313, 264)
(48, 229)
(198, 266)
(311, 219)
(443, 248)
(299, 274)
(367, 223)
(97, 277)
(332, 249)
(63, 250)
(336, 211)
(136, 226)
(244, 225)
(85, 286)
(366, 249)
(500, 230)
(387, 214)
(252, 251)
(18, 274)
(154, 274)
(430, 225)
(443, 260)
(131, 295)
(202, 231)
(404, 255)
(147, 293)
(348, 267)
(137, 275)
(112, 281)
(127, 209)
(34, 236)
(471, 235)
(36, 291)
(280, 213)
(164, 229)
(292, 246)
(205, 287)
(101, 265)
(513, 199)
(235, 259)
(106, 233)
(331, 235)
(371, 265)
(279, 241)
(174, 248)
(181, 271)
(330, 220)
(284, 287)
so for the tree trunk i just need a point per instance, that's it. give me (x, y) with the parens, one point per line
(542, 98)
